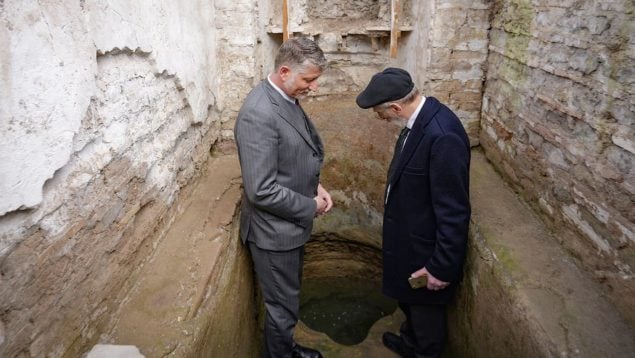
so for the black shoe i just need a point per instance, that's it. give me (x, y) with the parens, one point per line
(396, 344)
(304, 352)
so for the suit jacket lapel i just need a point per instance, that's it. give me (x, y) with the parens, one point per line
(429, 110)
(289, 114)
(315, 137)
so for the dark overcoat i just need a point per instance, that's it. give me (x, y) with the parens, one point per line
(427, 210)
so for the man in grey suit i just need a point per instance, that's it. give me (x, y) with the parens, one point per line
(281, 155)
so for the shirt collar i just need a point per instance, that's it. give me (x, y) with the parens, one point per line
(284, 95)
(415, 114)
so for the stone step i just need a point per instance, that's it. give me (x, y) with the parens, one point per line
(194, 296)
(524, 296)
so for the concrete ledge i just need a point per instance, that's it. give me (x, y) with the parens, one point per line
(194, 298)
(523, 295)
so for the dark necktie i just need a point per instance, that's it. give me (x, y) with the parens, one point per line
(306, 124)
(398, 148)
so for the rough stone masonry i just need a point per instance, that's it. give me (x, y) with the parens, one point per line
(109, 108)
(558, 120)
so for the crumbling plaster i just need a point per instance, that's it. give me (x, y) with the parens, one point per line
(49, 65)
(48, 69)
(108, 110)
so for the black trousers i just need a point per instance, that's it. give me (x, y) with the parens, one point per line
(425, 329)
(280, 276)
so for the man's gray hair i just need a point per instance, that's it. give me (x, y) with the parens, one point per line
(296, 51)
(414, 93)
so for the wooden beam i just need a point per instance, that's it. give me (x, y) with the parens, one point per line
(285, 20)
(395, 10)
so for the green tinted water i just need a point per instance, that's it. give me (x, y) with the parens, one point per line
(343, 308)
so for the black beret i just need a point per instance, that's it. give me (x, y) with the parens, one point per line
(389, 85)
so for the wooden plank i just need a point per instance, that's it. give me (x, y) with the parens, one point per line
(394, 27)
(285, 20)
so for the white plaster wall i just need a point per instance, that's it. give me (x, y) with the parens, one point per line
(178, 35)
(48, 74)
(413, 53)
(47, 68)
(107, 109)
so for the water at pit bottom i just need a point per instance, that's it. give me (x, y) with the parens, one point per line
(343, 308)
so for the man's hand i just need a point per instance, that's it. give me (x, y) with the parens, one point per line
(434, 284)
(321, 205)
(326, 197)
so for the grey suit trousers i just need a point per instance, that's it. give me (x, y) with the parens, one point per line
(280, 276)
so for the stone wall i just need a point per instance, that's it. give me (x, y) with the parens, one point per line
(236, 24)
(558, 123)
(107, 111)
(354, 35)
(447, 52)
(522, 294)
(250, 32)
(443, 44)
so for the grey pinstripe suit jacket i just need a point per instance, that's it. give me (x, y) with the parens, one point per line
(280, 164)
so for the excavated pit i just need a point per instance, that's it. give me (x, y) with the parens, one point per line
(196, 297)
(342, 309)
(341, 294)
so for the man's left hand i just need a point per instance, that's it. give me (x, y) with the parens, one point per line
(434, 284)
(324, 195)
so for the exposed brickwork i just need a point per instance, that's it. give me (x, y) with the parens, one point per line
(458, 51)
(558, 117)
(236, 26)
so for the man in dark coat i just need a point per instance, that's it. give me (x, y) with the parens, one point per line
(426, 210)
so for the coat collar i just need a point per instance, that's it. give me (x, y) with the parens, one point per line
(429, 110)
